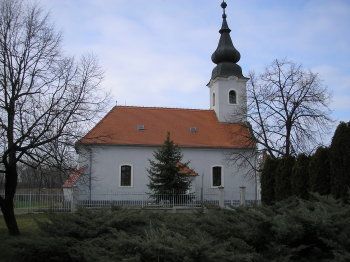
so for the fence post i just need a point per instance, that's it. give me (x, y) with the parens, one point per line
(221, 197)
(202, 192)
(74, 199)
(173, 200)
(202, 196)
(30, 202)
(242, 195)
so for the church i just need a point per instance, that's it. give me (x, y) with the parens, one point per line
(114, 155)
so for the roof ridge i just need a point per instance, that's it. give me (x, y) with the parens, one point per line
(161, 107)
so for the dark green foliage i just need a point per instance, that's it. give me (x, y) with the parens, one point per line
(164, 173)
(46, 250)
(317, 229)
(312, 230)
(340, 162)
(267, 180)
(300, 176)
(319, 172)
(283, 175)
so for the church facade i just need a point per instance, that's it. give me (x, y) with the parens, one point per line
(114, 155)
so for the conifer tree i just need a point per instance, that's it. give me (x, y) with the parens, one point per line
(319, 172)
(300, 177)
(283, 178)
(340, 161)
(268, 181)
(165, 172)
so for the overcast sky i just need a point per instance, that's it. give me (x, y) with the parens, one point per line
(157, 52)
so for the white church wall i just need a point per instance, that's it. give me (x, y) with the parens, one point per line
(106, 162)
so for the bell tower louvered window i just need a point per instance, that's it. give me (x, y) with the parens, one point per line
(232, 97)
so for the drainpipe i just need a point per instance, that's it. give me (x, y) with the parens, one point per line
(256, 186)
(242, 195)
(90, 170)
(202, 193)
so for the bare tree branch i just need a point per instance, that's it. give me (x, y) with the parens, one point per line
(288, 109)
(46, 98)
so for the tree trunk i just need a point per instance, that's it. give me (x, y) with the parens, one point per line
(7, 210)
(6, 203)
(11, 174)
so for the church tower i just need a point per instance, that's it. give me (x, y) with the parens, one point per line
(228, 92)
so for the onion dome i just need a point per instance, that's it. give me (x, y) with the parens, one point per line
(226, 55)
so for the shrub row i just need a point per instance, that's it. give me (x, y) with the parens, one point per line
(326, 172)
(292, 230)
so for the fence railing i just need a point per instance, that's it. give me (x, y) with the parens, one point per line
(38, 202)
(139, 200)
(60, 202)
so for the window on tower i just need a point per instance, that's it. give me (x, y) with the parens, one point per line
(232, 97)
(213, 99)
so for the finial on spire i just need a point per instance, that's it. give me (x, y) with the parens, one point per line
(224, 26)
(223, 5)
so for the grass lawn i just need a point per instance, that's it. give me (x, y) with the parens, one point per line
(28, 227)
(27, 224)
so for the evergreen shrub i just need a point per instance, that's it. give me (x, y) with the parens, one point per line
(165, 173)
(317, 229)
(319, 172)
(283, 188)
(340, 162)
(267, 180)
(300, 176)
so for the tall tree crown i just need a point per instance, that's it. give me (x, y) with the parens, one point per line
(45, 96)
(288, 109)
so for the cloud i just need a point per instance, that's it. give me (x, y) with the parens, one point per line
(148, 59)
(338, 83)
(158, 52)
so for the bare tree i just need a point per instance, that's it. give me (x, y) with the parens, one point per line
(288, 109)
(45, 97)
(287, 114)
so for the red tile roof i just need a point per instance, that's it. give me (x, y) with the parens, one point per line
(73, 177)
(120, 127)
(185, 170)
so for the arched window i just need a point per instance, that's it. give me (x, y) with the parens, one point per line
(232, 97)
(213, 99)
(217, 176)
(125, 176)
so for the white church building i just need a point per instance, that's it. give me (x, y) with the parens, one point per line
(114, 155)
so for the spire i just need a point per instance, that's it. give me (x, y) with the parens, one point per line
(226, 55)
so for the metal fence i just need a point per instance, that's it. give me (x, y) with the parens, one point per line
(140, 200)
(59, 202)
(41, 202)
